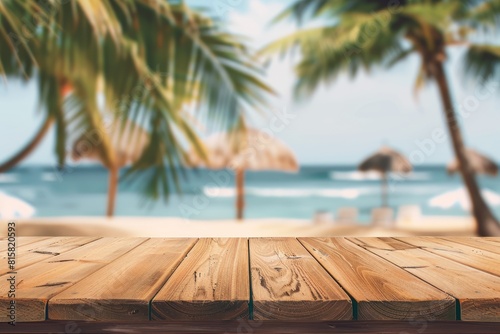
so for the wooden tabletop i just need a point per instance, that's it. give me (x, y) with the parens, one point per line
(305, 279)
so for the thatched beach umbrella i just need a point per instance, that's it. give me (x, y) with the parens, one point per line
(247, 149)
(384, 161)
(125, 151)
(480, 164)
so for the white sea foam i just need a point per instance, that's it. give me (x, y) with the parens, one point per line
(8, 178)
(348, 193)
(364, 176)
(49, 177)
(219, 192)
(355, 176)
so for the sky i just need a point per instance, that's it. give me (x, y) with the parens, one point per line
(341, 124)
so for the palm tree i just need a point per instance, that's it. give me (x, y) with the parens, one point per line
(36, 42)
(351, 35)
(148, 59)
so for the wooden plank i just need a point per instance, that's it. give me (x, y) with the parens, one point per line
(39, 282)
(494, 239)
(477, 292)
(255, 327)
(20, 241)
(123, 289)
(289, 284)
(471, 256)
(212, 283)
(476, 242)
(38, 251)
(381, 290)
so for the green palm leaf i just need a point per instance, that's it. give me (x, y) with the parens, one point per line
(146, 60)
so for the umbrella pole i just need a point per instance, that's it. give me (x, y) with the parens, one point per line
(112, 188)
(240, 193)
(385, 194)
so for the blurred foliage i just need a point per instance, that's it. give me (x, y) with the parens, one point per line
(347, 36)
(148, 61)
(354, 35)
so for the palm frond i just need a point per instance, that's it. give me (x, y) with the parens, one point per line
(437, 15)
(344, 47)
(344, 44)
(146, 60)
(482, 61)
(483, 15)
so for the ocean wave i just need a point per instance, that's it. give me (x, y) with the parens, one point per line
(49, 177)
(219, 192)
(8, 178)
(348, 193)
(369, 176)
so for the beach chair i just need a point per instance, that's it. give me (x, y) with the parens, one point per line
(408, 215)
(322, 217)
(347, 216)
(382, 217)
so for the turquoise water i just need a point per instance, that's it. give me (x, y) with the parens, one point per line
(210, 194)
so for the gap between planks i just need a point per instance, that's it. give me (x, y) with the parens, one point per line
(477, 292)
(191, 303)
(466, 253)
(362, 273)
(312, 252)
(126, 286)
(39, 282)
(210, 283)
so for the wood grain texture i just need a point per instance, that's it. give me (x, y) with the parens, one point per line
(123, 289)
(41, 281)
(28, 254)
(381, 290)
(289, 284)
(256, 327)
(20, 241)
(476, 242)
(471, 256)
(477, 292)
(212, 283)
(113, 279)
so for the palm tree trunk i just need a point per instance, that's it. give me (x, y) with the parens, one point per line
(240, 193)
(112, 189)
(30, 147)
(486, 224)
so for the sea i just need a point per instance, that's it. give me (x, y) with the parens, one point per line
(210, 195)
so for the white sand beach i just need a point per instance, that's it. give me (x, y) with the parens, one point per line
(178, 227)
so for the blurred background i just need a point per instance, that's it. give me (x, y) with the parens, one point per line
(317, 112)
